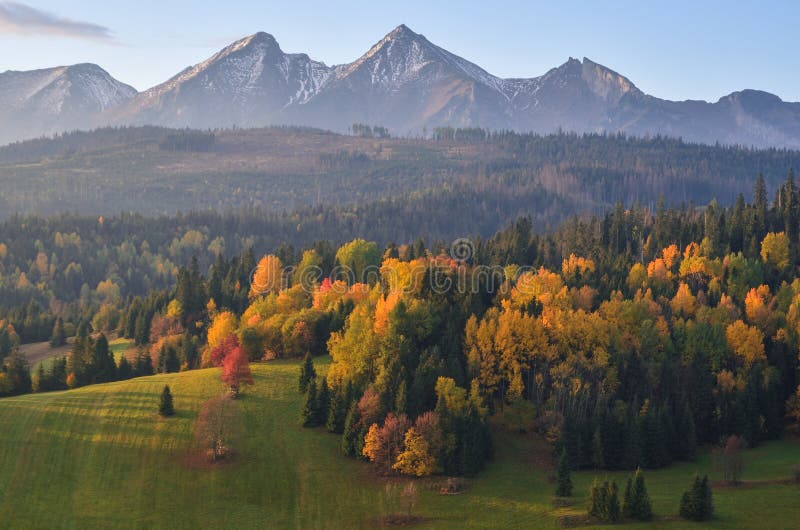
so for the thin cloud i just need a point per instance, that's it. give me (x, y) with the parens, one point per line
(23, 19)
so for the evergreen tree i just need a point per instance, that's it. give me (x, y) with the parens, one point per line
(614, 513)
(103, 367)
(165, 407)
(168, 361)
(696, 502)
(59, 336)
(307, 372)
(144, 365)
(598, 461)
(637, 501)
(352, 440)
(685, 446)
(337, 412)
(311, 407)
(323, 403)
(124, 370)
(627, 500)
(564, 488)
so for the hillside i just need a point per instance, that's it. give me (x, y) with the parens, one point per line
(157, 171)
(100, 456)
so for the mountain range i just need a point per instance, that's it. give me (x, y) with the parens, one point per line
(404, 82)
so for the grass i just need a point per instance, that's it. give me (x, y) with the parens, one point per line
(100, 456)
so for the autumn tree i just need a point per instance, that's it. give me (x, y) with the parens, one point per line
(268, 276)
(416, 458)
(775, 250)
(236, 371)
(383, 444)
(217, 428)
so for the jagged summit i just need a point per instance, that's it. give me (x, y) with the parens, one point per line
(404, 82)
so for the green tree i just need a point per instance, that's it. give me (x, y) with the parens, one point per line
(311, 407)
(564, 488)
(307, 372)
(58, 337)
(165, 407)
(696, 502)
(637, 501)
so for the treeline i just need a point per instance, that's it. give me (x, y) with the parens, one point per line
(189, 141)
(369, 131)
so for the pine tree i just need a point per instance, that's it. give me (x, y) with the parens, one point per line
(686, 437)
(311, 407)
(594, 499)
(165, 408)
(613, 511)
(598, 460)
(323, 403)
(124, 370)
(103, 367)
(337, 412)
(564, 488)
(58, 337)
(352, 440)
(627, 500)
(637, 500)
(307, 372)
(696, 502)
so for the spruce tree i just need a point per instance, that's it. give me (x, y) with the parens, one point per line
(337, 412)
(696, 502)
(58, 337)
(124, 370)
(311, 407)
(564, 488)
(307, 372)
(613, 511)
(165, 408)
(627, 500)
(640, 506)
(594, 499)
(323, 403)
(351, 439)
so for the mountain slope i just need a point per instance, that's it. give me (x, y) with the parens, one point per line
(244, 84)
(53, 100)
(404, 82)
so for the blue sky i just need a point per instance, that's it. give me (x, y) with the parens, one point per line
(675, 50)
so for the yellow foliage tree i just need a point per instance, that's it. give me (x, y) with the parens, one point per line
(416, 459)
(775, 250)
(222, 326)
(268, 276)
(746, 342)
(759, 308)
(684, 303)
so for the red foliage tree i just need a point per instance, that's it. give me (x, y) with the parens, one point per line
(223, 349)
(236, 370)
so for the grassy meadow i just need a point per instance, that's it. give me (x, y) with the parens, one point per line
(100, 457)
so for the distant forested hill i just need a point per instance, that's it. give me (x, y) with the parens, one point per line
(494, 177)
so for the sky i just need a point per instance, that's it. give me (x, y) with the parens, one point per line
(675, 50)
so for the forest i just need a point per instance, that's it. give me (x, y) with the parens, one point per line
(292, 171)
(626, 340)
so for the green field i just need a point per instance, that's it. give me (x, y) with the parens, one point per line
(100, 457)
